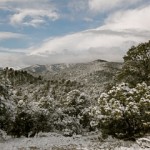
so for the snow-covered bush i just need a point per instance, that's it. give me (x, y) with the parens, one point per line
(75, 102)
(95, 116)
(30, 118)
(73, 114)
(125, 111)
(72, 125)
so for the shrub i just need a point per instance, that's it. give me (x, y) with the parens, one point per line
(22, 125)
(125, 112)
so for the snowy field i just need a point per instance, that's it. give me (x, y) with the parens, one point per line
(54, 141)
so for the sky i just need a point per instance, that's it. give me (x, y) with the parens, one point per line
(70, 31)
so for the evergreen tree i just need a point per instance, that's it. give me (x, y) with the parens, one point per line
(136, 68)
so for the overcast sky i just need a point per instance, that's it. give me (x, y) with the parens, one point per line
(57, 31)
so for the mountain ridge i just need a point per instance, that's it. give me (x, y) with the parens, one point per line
(97, 72)
(41, 68)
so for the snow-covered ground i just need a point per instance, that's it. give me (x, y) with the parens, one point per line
(54, 141)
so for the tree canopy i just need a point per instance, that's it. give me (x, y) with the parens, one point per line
(136, 68)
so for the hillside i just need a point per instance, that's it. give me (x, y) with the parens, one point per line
(93, 76)
(95, 72)
(22, 91)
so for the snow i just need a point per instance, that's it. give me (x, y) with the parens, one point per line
(54, 141)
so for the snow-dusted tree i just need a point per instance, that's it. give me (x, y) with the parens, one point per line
(136, 68)
(46, 103)
(74, 109)
(4, 116)
(6, 106)
(30, 118)
(125, 112)
(23, 122)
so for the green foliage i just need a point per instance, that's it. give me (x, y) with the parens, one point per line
(35, 103)
(18, 77)
(28, 121)
(136, 68)
(5, 110)
(22, 125)
(125, 112)
(75, 102)
(5, 117)
(76, 106)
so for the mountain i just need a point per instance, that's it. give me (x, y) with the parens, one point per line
(98, 71)
(41, 69)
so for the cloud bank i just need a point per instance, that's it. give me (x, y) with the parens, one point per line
(126, 23)
(110, 41)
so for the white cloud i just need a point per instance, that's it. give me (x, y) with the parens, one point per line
(10, 35)
(105, 5)
(78, 6)
(21, 1)
(92, 43)
(30, 13)
(102, 5)
(11, 60)
(33, 17)
(110, 41)
(87, 19)
(137, 19)
(34, 22)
